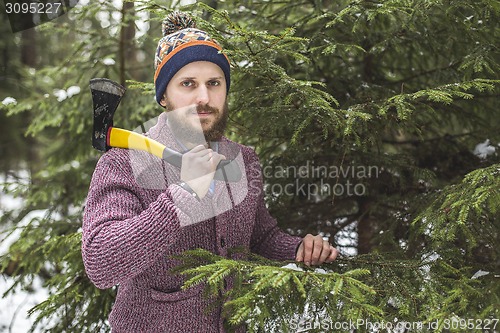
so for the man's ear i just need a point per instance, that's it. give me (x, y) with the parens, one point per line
(163, 101)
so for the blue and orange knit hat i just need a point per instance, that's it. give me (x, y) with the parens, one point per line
(182, 44)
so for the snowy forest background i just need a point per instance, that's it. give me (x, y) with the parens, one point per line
(387, 110)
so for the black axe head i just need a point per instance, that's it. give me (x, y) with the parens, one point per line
(106, 96)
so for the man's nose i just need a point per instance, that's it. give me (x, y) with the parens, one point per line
(202, 97)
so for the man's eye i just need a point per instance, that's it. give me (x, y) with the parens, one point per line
(187, 83)
(215, 83)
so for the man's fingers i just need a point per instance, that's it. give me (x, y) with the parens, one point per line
(333, 254)
(206, 155)
(216, 158)
(202, 154)
(325, 252)
(317, 249)
(300, 252)
(197, 149)
(308, 249)
(314, 250)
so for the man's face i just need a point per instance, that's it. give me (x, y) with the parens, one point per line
(195, 100)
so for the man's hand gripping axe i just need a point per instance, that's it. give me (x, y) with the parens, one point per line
(106, 96)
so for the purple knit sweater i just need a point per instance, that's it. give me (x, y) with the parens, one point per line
(136, 217)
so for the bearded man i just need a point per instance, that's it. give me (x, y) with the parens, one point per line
(141, 210)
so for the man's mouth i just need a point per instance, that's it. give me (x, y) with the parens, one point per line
(203, 113)
(205, 110)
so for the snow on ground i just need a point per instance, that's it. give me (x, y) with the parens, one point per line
(14, 307)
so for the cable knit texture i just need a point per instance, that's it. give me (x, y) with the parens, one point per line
(131, 230)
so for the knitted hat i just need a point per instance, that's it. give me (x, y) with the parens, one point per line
(182, 44)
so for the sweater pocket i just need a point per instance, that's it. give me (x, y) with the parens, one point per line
(177, 295)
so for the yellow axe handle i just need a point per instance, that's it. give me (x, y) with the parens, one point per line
(121, 138)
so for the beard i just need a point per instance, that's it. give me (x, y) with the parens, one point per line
(185, 131)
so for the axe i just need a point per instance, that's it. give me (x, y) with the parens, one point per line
(106, 96)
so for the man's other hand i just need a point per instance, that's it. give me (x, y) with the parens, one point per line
(314, 250)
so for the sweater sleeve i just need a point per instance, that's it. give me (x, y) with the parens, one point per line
(120, 238)
(268, 239)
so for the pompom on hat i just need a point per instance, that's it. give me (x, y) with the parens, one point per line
(183, 43)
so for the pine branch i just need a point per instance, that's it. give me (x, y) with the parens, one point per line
(258, 296)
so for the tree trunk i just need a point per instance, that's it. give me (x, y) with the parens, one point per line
(29, 57)
(28, 47)
(127, 37)
(365, 228)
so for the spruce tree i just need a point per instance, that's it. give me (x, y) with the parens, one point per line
(366, 116)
